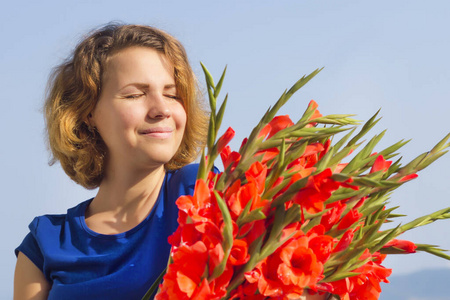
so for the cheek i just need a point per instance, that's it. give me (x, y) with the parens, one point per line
(180, 117)
(114, 123)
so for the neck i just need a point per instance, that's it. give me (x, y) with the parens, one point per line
(119, 189)
(124, 199)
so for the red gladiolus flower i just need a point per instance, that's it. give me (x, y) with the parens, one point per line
(366, 285)
(265, 274)
(278, 123)
(331, 217)
(199, 206)
(264, 132)
(407, 246)
(238, 200)
(316, 192)
(299, 265)
(185, 274)
(344, 242)
(312, 104)
(257, 174)
(229, 158)
(380, 164)
(349, 219)
(225, 139)
(408, 177)
(268, 154)
(247, 291)
(309, 158)
(239, 253)
(322, 246)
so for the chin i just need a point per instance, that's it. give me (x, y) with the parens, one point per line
(158, 159)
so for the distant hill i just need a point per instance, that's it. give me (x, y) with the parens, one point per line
(423, 285)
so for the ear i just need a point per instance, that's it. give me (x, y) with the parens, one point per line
(89, 120)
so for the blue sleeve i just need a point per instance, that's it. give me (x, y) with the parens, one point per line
(30, 246)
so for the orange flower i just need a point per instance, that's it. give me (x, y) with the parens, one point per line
(278, 123)
(229, 158)
(366, 285)
(331, 217)
(239, 252)
(184, 276)
(257, 174)
(380, 164)
(316, 192)
(349, 219)
(408, 177)
(344, 242)
(322, 246)
(198, 205)
(406, 246)
(268, 154)
(225, 139)
(312, 104)
(299, 264)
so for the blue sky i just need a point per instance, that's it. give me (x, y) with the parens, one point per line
(383, 54)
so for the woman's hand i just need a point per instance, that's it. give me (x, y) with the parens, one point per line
(29, 282)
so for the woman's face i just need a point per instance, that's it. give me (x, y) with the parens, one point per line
(138, 114)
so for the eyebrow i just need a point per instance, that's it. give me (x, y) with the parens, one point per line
(146, 86)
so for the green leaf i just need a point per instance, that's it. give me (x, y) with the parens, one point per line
(219, 84)
(342, 141)
(227, 236)
(220, 114)
(244, 213)
(254, 215)
(299, 84)
(154, 286)
(412, 165)
(429, 160)
(277, 227)
(366, 127)
(211, 138)
(424, 220)
(432, 249)
(393, 148)
(356, 162)
(441, 145)
(202, 172)
(339, 276)
(208, 77)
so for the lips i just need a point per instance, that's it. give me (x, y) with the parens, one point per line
(157, 132)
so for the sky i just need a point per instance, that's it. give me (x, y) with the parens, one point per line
(383, 54)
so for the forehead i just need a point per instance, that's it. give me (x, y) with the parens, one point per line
(138, 63)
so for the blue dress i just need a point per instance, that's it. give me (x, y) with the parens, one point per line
(82, 264)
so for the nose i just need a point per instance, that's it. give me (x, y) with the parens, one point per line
(158, 107)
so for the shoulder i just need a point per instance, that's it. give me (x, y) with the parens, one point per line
(43, 223)
(51, 222)
(182, 180)
(186, 172)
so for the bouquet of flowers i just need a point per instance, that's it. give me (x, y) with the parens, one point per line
(287, 215)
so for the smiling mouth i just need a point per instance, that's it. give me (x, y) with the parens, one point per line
(158, 132)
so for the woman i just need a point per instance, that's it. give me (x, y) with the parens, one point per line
(122, 115)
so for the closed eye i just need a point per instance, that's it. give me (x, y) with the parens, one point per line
(133, 96)
(175, 97)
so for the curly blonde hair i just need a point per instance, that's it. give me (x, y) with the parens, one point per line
(74, 89)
